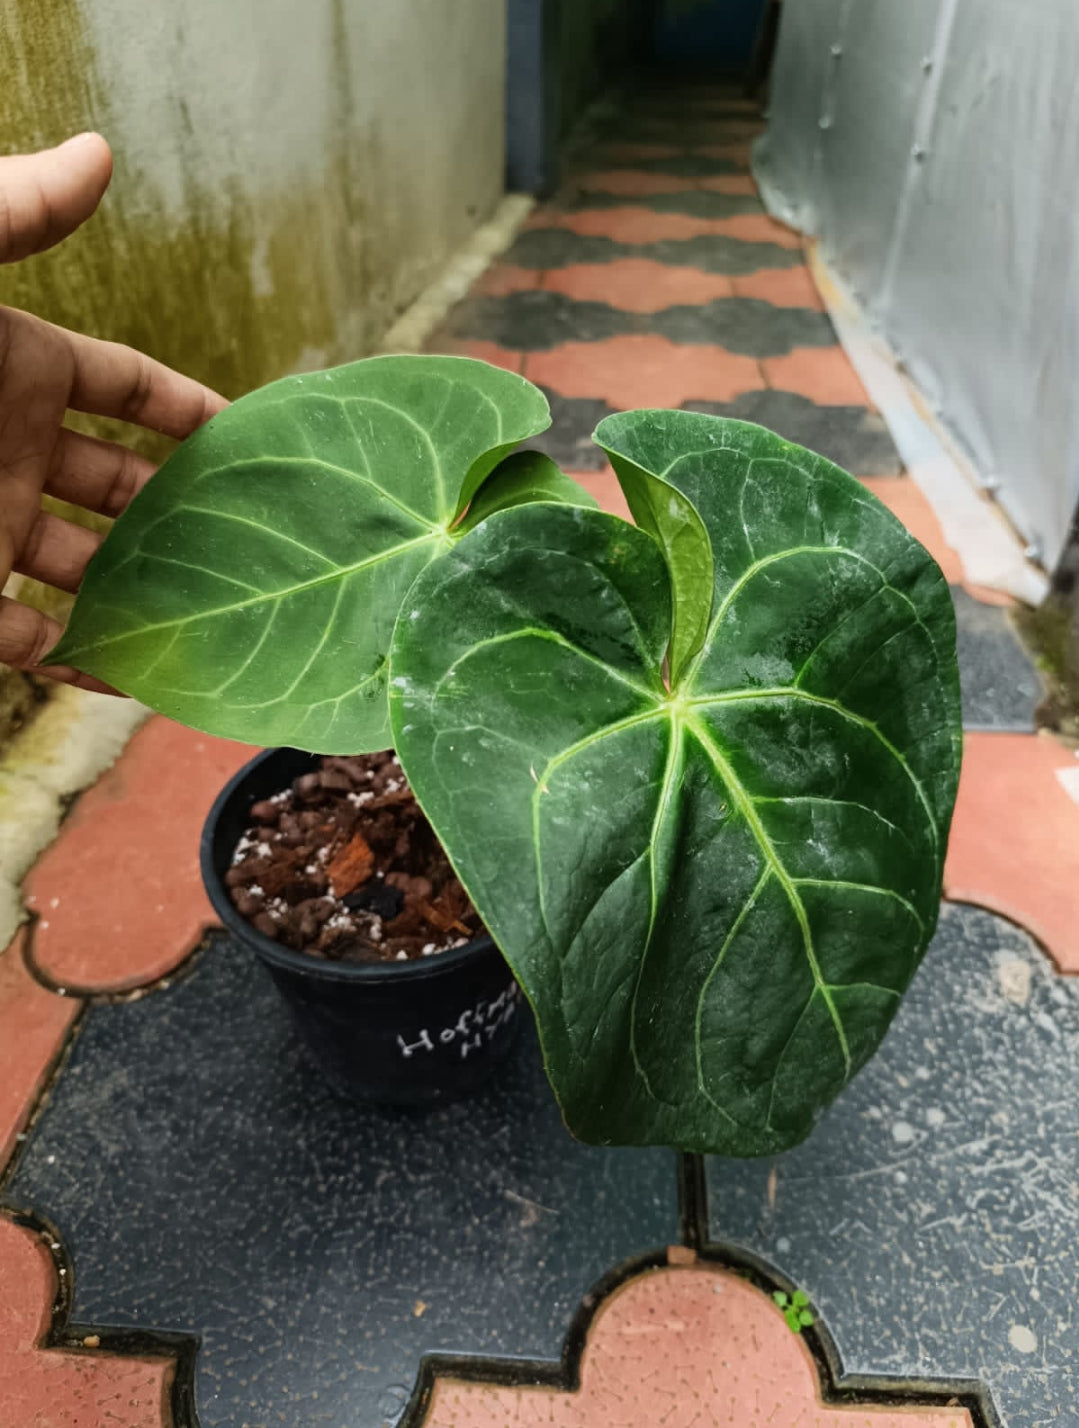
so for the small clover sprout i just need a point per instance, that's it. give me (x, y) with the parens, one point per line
(795, 1309)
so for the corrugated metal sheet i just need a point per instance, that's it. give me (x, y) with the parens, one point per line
(933, 146)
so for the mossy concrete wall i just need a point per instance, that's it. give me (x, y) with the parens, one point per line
(289, 173)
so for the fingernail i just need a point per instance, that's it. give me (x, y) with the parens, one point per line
(80, 139)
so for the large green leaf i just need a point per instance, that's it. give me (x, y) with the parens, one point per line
(660, 508)
(523, 477)
(251, 588)
(715, 896)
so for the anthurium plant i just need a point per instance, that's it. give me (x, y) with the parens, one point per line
(696, 772)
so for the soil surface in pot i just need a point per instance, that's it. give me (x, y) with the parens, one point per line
(344, 865)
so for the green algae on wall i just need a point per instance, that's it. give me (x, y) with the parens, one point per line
(287, 177)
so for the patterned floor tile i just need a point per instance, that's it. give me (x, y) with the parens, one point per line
(503, 278)
(34, 1024)
(785, 287)
(76, 1386)
(547, 248)
(826, 377)
(539, 320)
(693, 202)
(637, 284)
(119, 898)
(932, 1216)
(851, 436)
(679, 1347)
(1001, 688)
(204, 1180)
(603, 485)
(568, 440)
(640, 371)
(637, 224)
(1015, 839)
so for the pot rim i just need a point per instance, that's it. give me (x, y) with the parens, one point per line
(304, 963)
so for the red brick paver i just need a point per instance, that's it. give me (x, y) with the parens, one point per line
(64, 1388)
(782, 287)
(482, 351)
(823, 374)
(501, 279)
(645, 225)
(644, 371)
(1015, 839)
(119, 897)
(680, 1347)
(33, 1025)
(638, 284)
(604, 486)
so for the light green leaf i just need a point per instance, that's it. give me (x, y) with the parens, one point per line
(715, 897)
(659, 507)
(252, 587)
(523, 477)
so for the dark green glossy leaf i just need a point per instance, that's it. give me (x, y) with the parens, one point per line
(661, 509)
(714, 897)
(251, 588)
(523, 477)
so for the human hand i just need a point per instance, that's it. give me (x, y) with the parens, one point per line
(44, 372)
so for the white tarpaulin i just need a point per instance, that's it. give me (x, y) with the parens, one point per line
(933, 147)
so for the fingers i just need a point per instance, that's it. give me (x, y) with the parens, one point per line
(45, 196)
(116, 381)
(45, 369)
(26, 636)
(56, 552)
(97, 475)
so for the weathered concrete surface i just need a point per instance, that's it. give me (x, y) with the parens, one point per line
(73, 737)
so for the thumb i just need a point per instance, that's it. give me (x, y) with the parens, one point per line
(45, 196)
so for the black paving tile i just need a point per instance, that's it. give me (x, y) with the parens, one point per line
(852, 437)
(537, 320)
(1001, 688)
(933, 1215)
(544, 248)
(205, 1181)
(568, 440)
(745, 325)
(695, 203)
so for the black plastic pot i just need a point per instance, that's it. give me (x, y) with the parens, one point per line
(399, 1033)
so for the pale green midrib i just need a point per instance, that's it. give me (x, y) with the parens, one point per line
(791, 692)
(340, 573)
(774, 868)
(362, 477)
(672, 766)
(760, 835)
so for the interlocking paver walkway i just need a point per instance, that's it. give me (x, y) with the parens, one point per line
(195, 1225)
